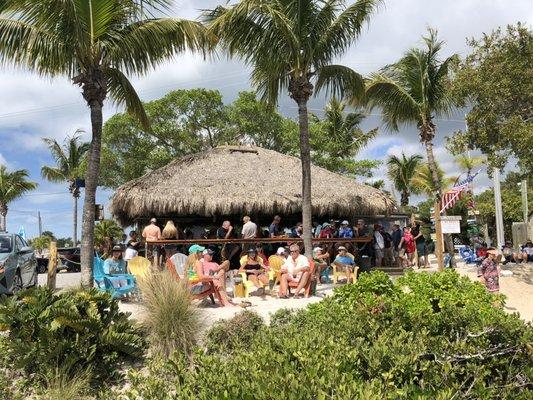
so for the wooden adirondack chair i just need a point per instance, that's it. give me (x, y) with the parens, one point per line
(274, 274)
(209, 292)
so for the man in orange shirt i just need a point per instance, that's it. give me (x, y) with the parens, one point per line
(151, 233)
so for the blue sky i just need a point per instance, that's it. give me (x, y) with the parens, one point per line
(32, 107)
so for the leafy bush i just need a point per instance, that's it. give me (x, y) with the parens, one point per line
(171, 321)
(81, 329)
(227, 336)
(429, 336)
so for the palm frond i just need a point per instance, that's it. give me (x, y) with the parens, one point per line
(14, 184)
(340, 81)
(123, 93)
(61, 158)
(345, 29)
(53, 174)
(144, 44)
(395, 101)
(24, 44)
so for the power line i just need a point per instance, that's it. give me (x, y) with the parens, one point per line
(149, 90)
(382, 115)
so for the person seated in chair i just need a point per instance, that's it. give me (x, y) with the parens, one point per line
(345, 263)
(194, 271)
(527, 252)
(255, 270)
(296, 269)
(115, 265)
(214, 270)
(321, 260)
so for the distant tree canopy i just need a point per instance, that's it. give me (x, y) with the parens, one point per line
(189, 121)
(496, 80)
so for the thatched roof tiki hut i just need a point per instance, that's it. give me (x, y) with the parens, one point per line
(228, 182)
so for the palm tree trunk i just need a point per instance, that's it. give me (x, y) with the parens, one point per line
(75, 220)
(3, 220)
(305, 155)
(433, 168)
(91, 182)
(404, 201)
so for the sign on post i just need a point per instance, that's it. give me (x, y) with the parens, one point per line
(451, 223)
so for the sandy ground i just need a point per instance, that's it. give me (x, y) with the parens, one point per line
(518, 288)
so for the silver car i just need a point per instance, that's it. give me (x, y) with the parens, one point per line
(18, 266)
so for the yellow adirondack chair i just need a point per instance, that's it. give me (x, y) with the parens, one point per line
(274, 274)
(248, 286)
(139, 267)
(347, 273)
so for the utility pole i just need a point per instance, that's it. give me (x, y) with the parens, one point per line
(500, 240)
(523, 186)
(40, 223)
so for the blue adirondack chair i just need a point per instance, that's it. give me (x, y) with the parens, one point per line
(104, 282)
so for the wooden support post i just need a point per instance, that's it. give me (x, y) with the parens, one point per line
(439, 245)
(52, 267)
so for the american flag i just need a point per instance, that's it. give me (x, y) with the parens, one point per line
(451, 196)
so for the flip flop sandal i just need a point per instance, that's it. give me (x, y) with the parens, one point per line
(245, 304)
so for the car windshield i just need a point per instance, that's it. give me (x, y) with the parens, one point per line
(5, 244)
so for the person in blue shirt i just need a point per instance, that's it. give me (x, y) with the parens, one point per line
(115, 265)
(345, 231)
(344, 262)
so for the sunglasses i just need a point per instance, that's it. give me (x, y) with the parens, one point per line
(295, 251)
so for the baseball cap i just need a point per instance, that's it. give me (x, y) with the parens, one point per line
(345, 222)
(117, 248)
(196, 248)
(341, 248)
(153, 220)
(281, 250)
(208, 251)
(252, 250)
(317, 249)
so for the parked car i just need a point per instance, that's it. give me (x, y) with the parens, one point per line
(18, 266)
(69, 258)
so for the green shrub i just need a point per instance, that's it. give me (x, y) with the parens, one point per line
(72, 330)
(428, 336)
(282, 317)
(171, 321)
(227, 336)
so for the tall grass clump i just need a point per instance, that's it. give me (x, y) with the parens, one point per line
(172, 322)
(66, 385)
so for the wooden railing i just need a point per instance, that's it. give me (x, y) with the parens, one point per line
(279, 239)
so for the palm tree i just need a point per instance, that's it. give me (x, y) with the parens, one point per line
(401, 172)
(95, 44)
(423, 182)
(291, 45)
(467, 163)
(413, 91)
(12, 186)
(69, 160)
(106, 232)
(341, 140)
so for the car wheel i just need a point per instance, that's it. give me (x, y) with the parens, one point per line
(17, 283)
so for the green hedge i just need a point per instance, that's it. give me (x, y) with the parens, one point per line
(428, 336)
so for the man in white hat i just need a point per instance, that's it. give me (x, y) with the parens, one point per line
(345, 231)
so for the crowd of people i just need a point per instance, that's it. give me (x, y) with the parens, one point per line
(400, 247)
